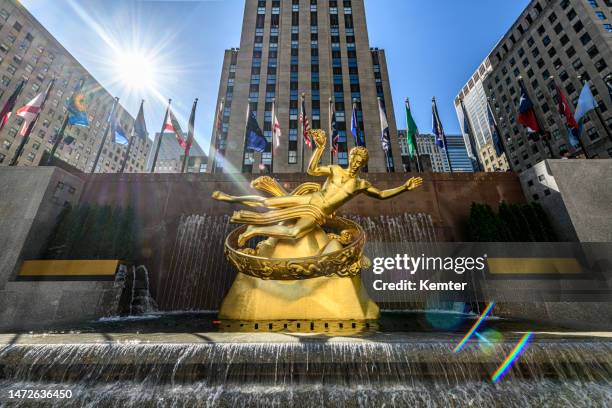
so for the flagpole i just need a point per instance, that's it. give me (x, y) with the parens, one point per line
(129, 148)
(190, 135)
(580, 142)
(380, 108)
(108, 129)
(542, 129)
(273, 136)
(15, 96)
(60, 135)
(499, 135)
(302, 107)
(441, 130)
(416, 145)
(331, 134)
(246, 126)
(161, 136)
(26, 136)
(598, 113)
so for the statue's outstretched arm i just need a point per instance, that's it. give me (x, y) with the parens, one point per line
(314, 169)
(411, 184)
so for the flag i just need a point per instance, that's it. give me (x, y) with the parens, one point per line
(586, 103)
(255, 139)
(219, 124)
(191, 128)
(77, 107)
(497, 143)
(8, 107)
(276, 129)
(333, 129)
(140, 126)
(527, 116)
(411, 131)
(437, 128)
(355, 127)
(469, 133)
(305, 124)
(30, 112)
(573, 130)
(119, 135)
(172, 126)
(117, 131)
(385, 137)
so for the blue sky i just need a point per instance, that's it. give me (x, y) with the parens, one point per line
(432, 46)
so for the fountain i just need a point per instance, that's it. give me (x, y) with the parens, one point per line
(288, 355)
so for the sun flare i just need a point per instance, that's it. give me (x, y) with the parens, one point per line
(136, 70)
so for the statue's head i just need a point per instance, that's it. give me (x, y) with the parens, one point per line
(358, 158)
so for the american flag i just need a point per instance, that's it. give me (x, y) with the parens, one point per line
(305, 124)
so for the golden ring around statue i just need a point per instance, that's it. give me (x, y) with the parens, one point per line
(346, 262)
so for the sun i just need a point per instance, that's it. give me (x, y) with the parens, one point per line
(135, 70)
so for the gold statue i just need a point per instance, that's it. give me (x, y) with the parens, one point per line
(310, 210)
(301, 272)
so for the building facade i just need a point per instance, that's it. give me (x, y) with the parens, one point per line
(563, 42)
(427, 147)
(316, 48)
(29, 52)
(475, 102)
(171, 155)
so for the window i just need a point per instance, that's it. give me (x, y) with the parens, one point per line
(608, 27)
(600, 15)
(585, 39)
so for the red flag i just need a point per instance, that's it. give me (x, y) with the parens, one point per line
(305, 124)
(565, 110)
(172, 126)
(30, 112)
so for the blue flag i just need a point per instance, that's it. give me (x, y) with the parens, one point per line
(77, 108)
(586, 103)
(497, 143)
(140, 126)
(437, 128)
(355, 127)
(255, 139)
(119, 135)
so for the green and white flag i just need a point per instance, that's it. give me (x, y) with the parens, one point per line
(411, 131)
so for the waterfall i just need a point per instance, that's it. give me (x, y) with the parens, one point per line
(141, 302)
(197, 275)
(420, 371)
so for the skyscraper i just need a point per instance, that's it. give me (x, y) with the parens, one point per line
(315, 48)
(570, 41)
(475, 102)
(29, 52)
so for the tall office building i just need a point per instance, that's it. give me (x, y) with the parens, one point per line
(566, 39)
(318, 48)
(460, 161)
(29, 52)
(475, 101)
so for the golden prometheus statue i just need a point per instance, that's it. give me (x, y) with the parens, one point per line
(309, 265)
